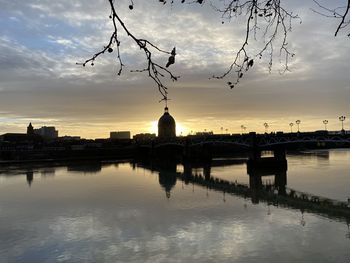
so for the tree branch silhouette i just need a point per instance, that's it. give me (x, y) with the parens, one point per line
(268, 17)
(267, 20)
(340, 12)
(154, 70)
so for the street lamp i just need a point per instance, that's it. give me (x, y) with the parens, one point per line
(325, 122)
(342, 119)
(243, 128)
(298, 123)
(266, 127)
(291, 127)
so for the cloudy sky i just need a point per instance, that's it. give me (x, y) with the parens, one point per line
(41, 41)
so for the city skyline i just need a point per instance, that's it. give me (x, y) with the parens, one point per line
(40, 82)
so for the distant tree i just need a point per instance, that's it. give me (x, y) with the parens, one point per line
(267, 20)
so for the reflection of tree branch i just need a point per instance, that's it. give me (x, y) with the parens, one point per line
(155, 71)
(338, 13)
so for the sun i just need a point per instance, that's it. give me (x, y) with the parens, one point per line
(153, 127)
(181, 130)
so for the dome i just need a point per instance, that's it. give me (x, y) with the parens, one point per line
(166, 125)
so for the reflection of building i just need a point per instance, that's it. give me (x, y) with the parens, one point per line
(166, 125)
(30, 176)
(167, 176)
(47, 132)
(91, 167)
(120, 135)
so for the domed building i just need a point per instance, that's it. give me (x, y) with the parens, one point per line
(166, 126)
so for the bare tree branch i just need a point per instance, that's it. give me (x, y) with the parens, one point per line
(154, 70)
(341, 12)
(267, 20)
(267, 16)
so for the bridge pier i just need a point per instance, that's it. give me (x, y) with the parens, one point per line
(279, 153)
(258, 166)
(255, 185)
(207, 171)
(279, 159)
(187, 172)
(188, 168)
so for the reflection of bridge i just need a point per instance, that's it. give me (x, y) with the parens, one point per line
(275, 193)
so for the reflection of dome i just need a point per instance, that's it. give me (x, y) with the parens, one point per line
(166, 125)
(167, 181)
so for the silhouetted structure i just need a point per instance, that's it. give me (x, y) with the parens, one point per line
(30, 129)
(22, 138)
(119, 135)
(47, 132)
(166, 125)
(144, 136)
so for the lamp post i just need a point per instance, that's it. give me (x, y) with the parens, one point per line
(325, 122)
(291, 127)
(266, 126)
(342, 119)
(298, 123)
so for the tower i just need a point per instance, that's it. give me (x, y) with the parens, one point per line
(30, 129)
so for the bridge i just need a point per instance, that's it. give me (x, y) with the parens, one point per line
(252, 143)
(252, 140)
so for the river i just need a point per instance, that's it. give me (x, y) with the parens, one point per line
(129, 212)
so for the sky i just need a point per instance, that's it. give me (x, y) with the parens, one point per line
(41, 41)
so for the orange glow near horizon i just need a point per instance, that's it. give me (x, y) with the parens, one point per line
(180, 129)
(184, 126)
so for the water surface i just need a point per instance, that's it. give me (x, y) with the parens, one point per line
(121, 212)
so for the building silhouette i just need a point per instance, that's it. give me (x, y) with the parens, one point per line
(30, 129)
(27, 138)
(47, 132)
(144, 136)
(166, 125)
(120, 135)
